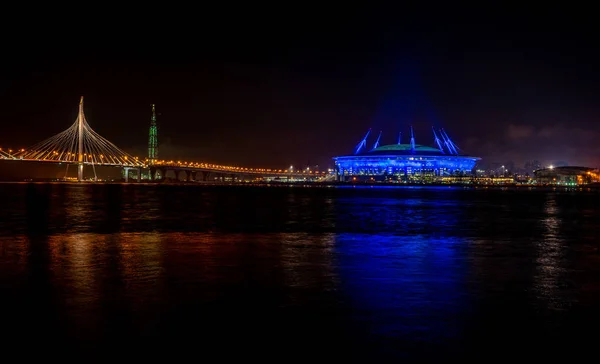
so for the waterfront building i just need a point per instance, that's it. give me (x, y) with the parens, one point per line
(567, 176)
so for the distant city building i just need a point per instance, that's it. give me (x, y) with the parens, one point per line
(567, 176)
(405, 162)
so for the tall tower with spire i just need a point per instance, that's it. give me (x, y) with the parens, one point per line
(153, 139)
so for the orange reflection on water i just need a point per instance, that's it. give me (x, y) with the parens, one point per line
(13, 255)
(141, 262)
(215, 265)
(307, 261)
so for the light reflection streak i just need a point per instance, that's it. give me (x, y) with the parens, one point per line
(75, 269)
(99, 273)
(142, 267)
(308, 263)
(77, 206)
(551, 249)
(412, 287)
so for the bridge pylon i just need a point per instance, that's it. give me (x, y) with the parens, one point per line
(79, 121)
(79, 145)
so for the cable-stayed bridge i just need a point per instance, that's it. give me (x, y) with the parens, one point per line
(81, 146)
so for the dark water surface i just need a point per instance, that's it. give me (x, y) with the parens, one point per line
(189, 273)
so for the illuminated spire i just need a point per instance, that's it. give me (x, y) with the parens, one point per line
(362, 143)
(153, 138)
(437, 141)
(451, 146)
(377, 141)
(399, 138)
(445, 142)
(412, 139)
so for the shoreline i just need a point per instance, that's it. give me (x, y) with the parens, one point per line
(590, 187)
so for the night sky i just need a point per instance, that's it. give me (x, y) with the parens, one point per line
(274, 86)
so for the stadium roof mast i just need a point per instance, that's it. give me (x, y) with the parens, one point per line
(399, 138)
(445, 142)
(377, 141)
(448, 143)
(412, 140)
(453, 147)
(437, 140)
(363, 143)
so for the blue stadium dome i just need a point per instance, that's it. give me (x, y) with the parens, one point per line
(403, 149)
(405, 162)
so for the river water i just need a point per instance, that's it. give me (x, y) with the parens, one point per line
(186, 272)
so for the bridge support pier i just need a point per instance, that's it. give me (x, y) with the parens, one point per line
(126, 169)
(189, 176)
(80, 172)
(139, 175)
(154, 173)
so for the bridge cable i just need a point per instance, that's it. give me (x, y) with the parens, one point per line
(63, 147)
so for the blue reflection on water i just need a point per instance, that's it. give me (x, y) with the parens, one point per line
(387, 187)
(404, 275)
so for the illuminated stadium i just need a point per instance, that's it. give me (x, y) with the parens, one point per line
(405, 162)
